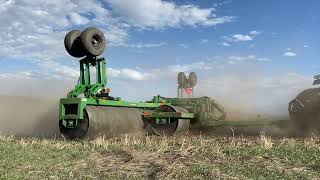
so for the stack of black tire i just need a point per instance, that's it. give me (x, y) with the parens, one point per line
(304, 111)
(185, 82)
(90, 42)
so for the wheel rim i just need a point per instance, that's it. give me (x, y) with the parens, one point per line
(96, 41)
(164, 129)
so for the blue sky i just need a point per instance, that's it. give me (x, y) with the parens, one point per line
(259, 52)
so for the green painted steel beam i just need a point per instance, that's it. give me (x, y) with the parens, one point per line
(120, 103)
(81, 103)
(180, 115)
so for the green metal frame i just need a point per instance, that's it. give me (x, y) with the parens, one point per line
(89, 90)
(180, 115)
(194, 105)
(81, 104)
(84, 85)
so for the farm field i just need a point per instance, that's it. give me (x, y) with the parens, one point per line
(178, 157)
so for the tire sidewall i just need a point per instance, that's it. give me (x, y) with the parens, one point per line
(86, 37)
(73, 45)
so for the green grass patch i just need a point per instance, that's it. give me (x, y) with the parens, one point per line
(191, 157)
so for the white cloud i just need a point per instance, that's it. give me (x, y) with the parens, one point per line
(225, 44)
(263, 59)
(45, 70)
(242, 37)
(160, 14)
(130, 74)
(60, 70)
(217, 63)
(222, 3)
(18, 75)
(305, 46)
(134, 74)
(250, 58)
(203, 41)
(113, 72)
(35, 30)
(290, 54)
(183, 45)
(77, 19)
(116, 35)
(254, 32)
(189, 67)
(144, 45)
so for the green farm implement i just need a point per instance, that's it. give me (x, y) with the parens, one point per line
(90, 111)
(97, 113)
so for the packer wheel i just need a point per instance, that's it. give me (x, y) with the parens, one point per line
(105, 121)
(166, 126)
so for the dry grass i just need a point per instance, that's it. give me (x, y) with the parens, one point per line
(177, 157)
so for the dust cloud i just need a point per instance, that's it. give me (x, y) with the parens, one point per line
(28, 117)
(29, 108)
(247, 93)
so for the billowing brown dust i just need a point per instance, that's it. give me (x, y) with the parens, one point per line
(31, 117)
(38, 117)
(25, 116)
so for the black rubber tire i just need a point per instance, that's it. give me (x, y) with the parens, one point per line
(182, 80)
(193, 78)
(93, 41)
(304, 110)
(175, 126)
(73, 45)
